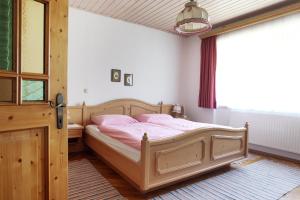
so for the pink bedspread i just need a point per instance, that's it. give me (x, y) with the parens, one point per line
(181, 124)
(132, 134)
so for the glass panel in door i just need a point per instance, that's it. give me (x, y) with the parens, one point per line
(32, 36)
(33, 90)
(6, 35)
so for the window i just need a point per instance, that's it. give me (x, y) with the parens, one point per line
(258, 68)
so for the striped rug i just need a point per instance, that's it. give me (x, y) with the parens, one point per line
(263, 180)
(86, 183)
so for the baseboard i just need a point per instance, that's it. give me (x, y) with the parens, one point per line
(281, 154)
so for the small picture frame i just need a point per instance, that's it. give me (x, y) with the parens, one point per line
(128, 79)
(115, 75)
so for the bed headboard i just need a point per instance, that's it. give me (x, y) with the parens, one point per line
(129, 107)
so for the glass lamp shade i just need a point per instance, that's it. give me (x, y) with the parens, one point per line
(192, 19)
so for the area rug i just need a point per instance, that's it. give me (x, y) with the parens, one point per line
(86, 183)
(262, 180)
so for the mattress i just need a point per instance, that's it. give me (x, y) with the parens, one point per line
(122, 148)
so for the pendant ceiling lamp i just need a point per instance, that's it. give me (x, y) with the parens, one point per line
(192, 19)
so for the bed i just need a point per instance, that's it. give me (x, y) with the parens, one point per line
(167, 161)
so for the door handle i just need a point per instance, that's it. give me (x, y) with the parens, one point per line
(60, 105)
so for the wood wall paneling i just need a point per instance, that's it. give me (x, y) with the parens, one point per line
(161, 14)
(254, 19)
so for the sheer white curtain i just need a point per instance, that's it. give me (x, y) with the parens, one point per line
(258, 68)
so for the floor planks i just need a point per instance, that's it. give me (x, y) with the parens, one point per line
(129, 192)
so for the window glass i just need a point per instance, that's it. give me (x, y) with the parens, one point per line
(6, 34)
(258, 67)
(33, 90)
(32, 36)
(7, 90)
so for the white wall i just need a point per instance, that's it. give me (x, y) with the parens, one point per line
(98, 44)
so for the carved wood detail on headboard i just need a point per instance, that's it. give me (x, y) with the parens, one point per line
(129, 107)
(119, 109)
(136, 110)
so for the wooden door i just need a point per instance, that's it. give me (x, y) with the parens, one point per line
(33, 69)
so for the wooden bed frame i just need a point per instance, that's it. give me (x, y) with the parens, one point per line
(167, 161)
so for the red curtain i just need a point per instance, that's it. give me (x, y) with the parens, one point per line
(207, 93)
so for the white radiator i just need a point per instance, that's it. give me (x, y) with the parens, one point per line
(270, 130)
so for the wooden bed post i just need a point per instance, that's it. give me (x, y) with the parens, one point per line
(145, 162)
(247, 137)
(161, 106)
(84, 115)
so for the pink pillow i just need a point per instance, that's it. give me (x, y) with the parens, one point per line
(152, 117)
(112, 120)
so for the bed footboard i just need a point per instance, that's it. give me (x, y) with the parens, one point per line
(192, 153)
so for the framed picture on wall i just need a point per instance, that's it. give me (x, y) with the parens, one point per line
(115, 75)
(128, 79)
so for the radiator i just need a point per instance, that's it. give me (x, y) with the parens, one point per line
(269, 130)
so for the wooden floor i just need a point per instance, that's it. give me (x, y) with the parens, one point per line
(129, 192)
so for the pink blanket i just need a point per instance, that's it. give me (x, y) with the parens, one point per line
(181, 124)
(132, 134)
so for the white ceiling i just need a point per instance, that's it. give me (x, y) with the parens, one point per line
(161, 14)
